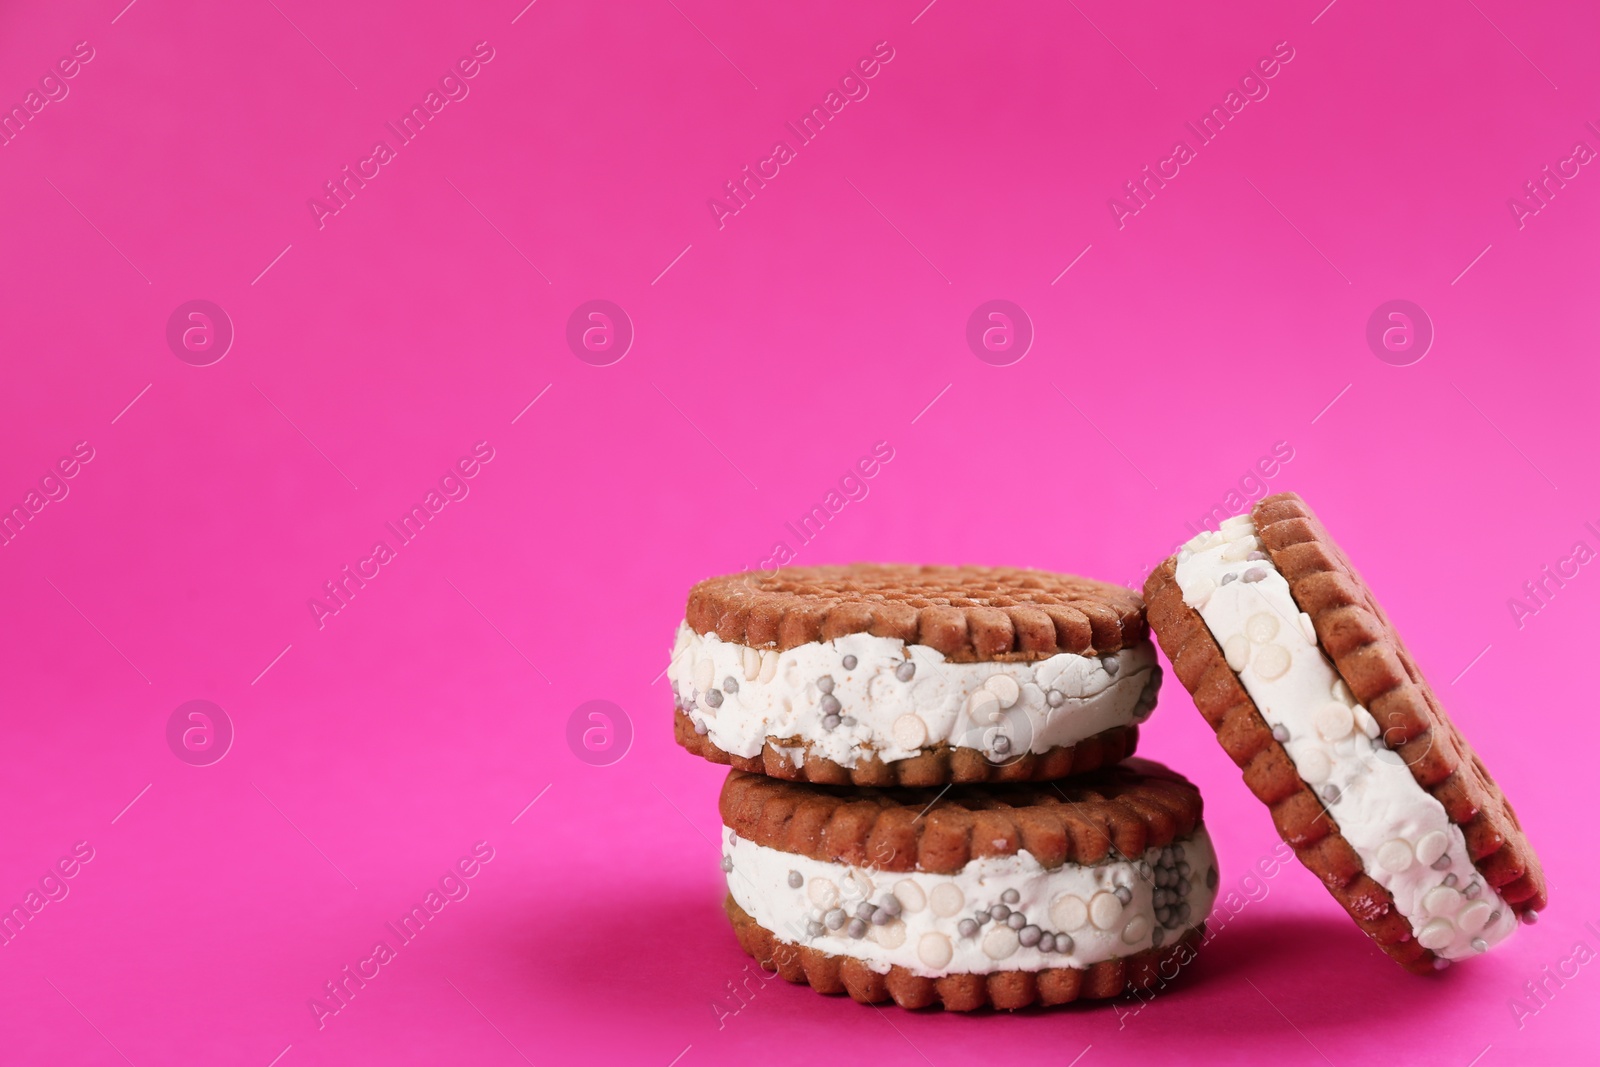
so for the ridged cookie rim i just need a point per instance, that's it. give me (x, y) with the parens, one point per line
(1095, 619)
(1326, 586)
(1117, 811)
(939, 764)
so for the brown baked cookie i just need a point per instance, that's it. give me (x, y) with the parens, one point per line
(967, 614)
(1141, 972)
(935, 765)
(889, 675)
(1312, 693)
(1004, 895)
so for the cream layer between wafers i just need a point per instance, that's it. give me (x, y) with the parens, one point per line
(998, 913)
(860, 694)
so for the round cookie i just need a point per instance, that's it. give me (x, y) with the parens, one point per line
(887, 675)
(1312, 693)
(1003, 895)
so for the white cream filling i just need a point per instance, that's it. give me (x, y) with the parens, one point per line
(1401, 832)
(1072, 916)
(859, 694)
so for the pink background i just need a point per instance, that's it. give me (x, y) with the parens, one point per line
(825, 316)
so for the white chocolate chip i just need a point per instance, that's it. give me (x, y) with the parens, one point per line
(1342, 691)
(769, 667)
(858, 885)
(1000, 942)
(1308, 628)
(704, 670)
(1364, 719)
(1441, 900)
(910, 895)
(1238, 550)
(1261, 627)
(1068, 912)
(1395, 856)
(891, 934)
(1104, 910)
(1474, 916)
(1314, 765)
(1005, 689)
(1335, 721)
(1237, 651)
(823, 893)
(1235, 527)
(934, 951)
(1272, 661)
(1137, 930)
(752, 664)
(910, 731)
(1437, 934)
(1433, 844)
(983, 705)
(946, 899)
(1199, 592)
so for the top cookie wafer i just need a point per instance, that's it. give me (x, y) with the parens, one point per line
(966, 613)
(1113, 812)
(1312, 693)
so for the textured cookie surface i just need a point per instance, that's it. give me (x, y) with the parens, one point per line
(967, 613)
(935, 766)
(1007, 990)
(1373, 661)
(1117, 811)
(1370, 658)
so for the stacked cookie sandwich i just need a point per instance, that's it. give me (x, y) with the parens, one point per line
(931, 800)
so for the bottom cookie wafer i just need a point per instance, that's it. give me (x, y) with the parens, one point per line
(1141, 972)
(934, 765)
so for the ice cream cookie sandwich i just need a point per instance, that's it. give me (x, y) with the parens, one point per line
(888, 675)
(1311, 692)
(999, 895)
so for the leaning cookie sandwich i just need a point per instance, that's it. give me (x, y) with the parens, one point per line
(1313, 695)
